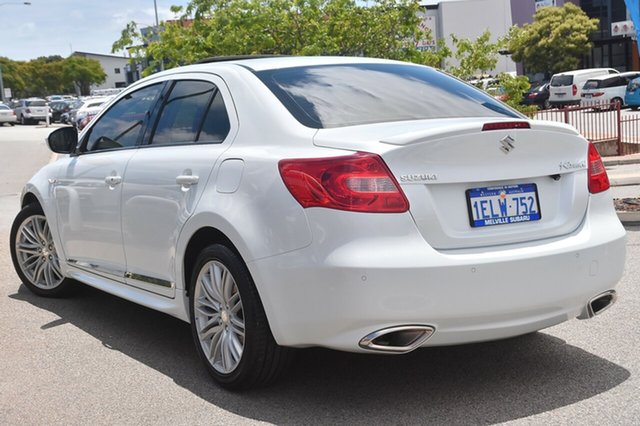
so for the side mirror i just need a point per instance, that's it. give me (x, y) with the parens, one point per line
(63, 140)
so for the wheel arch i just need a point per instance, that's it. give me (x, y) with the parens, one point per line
(202, 238)
(29, 198)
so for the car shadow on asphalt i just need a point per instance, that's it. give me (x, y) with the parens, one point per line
(469, 384)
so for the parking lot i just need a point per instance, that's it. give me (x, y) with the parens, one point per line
(97, 359)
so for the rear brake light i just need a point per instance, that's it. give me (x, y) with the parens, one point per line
(598, 179)
(506, 125)
(28, 111)
(360, 182)
(574, 89)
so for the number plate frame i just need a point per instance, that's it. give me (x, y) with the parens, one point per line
(487, 193)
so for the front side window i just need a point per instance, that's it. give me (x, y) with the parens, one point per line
(328, 96)
(121, 125)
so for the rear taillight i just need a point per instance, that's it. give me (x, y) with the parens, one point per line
(597, 94)
(574, 89)
(361, 182)
(28, 111)
(598, 179)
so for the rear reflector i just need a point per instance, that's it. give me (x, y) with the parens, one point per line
(360, 182)
(598, 179)
(506, 125)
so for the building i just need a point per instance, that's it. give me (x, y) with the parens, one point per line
(115, 67)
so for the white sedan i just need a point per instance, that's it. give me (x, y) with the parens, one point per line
(7, 115)
(357, 204)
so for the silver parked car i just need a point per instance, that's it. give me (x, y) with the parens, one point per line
(31, 110)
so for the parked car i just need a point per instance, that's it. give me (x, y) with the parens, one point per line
(498, 93)
(606, 90)
(89, 109)
(7, 115)
(69, 117)
(538, 96)
(358, 204)
(566, 88)
(31, 110)
(632, 94)
(58, 108)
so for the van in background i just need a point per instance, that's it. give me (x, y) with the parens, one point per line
(566, 88)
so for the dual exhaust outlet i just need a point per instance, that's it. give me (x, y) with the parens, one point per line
(405, 338)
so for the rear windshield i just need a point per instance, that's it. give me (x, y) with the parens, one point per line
(344, 95)
(561, 80)
(36, 103)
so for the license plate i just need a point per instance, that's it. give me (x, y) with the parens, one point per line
(502, 205)
(560, 94)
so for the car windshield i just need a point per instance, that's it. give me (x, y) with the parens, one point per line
(36, 103)
(329, 96)
(561, 80)
(4, 107)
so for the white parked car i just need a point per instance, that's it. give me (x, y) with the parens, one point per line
(606, 90)
(7, 115)
(88, 110)
(357, 204)
(566, 88)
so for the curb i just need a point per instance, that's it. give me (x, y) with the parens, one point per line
(629, 218)
(620, 161)
(624, 181)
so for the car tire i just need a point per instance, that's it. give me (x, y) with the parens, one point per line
(634, 107)
(546, 104)
(228, 322)
(22, 120)
(616, 103)
(34, 254)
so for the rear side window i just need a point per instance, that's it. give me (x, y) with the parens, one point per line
(193, 112)
(343, 95)
(593, 84)
(36, 103)
(561, 80)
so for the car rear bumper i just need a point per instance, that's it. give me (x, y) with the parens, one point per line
(335, 296)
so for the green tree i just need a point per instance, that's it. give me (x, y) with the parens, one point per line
(555, 41)
(83, 72)
(205, 28)
(475, 56)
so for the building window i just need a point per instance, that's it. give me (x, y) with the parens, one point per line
(117, 70)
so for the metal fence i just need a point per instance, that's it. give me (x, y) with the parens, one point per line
(600, 123)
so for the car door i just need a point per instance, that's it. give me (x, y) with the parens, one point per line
(166, 176)
(88, 189)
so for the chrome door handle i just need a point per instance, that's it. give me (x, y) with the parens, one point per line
(113, 180)
(187, 180)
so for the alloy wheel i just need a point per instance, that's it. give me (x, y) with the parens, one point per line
(36, 253)
(219, 317)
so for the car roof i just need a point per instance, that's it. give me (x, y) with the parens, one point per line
(261, 63)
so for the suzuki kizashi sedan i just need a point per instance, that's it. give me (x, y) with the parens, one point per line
(358, 204)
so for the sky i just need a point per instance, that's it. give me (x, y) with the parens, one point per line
(59, 27)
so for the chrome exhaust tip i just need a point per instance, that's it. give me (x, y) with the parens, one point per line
(599, 304)
(399, 339)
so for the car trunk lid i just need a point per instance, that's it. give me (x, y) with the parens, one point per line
(444, 166)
